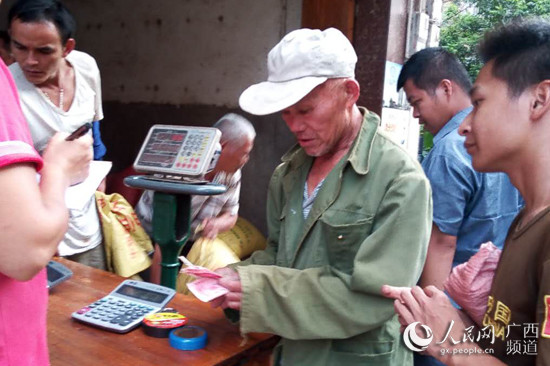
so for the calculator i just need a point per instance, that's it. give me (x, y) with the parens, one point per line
(126, 306)
(175, 152)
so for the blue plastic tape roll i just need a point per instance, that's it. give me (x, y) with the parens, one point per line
(188, 338)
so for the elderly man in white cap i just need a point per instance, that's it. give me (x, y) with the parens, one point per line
(348, 210)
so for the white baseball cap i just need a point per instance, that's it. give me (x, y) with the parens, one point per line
(302, 60)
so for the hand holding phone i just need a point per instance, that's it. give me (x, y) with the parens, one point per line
(79, 132)
(71, 157)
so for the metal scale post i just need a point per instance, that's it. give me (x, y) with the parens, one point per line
(172, 218)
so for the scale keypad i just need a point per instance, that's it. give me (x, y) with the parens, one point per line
(194, 147)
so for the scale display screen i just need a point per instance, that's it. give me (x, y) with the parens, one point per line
(163, 148)
(182, 150)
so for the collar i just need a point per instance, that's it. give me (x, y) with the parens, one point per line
(452, 125)
(360, 154)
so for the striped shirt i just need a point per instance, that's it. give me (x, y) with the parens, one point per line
(307, 202)
(202, 207)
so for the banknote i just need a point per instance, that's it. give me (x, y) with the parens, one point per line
(197, 271)
(206, 289)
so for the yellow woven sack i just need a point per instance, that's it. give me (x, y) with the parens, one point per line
(126, 243)
(228, 247)
(212, 254)
(243, 239)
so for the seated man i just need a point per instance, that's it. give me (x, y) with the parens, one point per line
(507, 131)
(59, 90)
(217, 213)
(347, 210)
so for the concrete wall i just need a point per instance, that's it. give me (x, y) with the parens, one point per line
(181, 52)
(184, 62)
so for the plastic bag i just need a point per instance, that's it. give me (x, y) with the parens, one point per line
(127, 245)
(469, 284)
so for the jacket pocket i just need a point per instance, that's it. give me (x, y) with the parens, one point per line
(368, 353)
(342, 240)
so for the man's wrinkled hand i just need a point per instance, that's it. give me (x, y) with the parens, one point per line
(210, 228)
(231, 281)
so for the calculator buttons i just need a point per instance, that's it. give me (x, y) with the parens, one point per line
(83, 310)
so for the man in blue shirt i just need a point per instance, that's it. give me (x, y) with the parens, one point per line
(469, 208)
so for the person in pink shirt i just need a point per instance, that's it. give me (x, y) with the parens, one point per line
(33, 220)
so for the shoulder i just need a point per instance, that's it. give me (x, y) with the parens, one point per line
(393, 169)
(541, 225)
(288, 168)
(290, 160)
(83, 62)
(280, 171)
(15, 69)
(452, 146)
(390, 157)
(19, 78)
(450, 154)
(235, 179)
(81, 58)
(376, 153)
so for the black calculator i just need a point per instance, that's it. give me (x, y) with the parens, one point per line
(126, 306)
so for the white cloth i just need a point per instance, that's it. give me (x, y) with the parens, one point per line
(45, 119)
(201, 206)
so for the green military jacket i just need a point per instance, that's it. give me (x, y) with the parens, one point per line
(317, 284)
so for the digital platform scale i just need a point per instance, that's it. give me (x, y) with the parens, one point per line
(176, 160)
(179, 153)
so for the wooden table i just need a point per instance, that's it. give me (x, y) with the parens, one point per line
(72, 343)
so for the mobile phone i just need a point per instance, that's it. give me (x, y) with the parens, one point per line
(79, 132)
(57, 273)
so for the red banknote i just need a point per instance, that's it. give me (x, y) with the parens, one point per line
(197, 271)
(206, 289)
